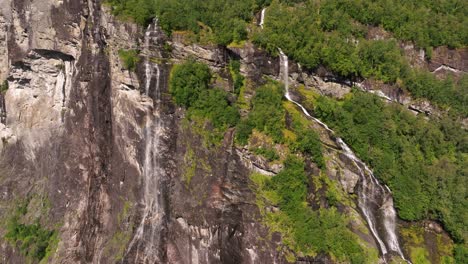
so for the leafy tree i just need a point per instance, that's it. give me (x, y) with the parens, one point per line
(187, 82)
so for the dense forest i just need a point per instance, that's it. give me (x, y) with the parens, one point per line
(330, 33)
(423, 162)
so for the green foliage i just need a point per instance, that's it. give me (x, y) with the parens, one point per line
(226, 19)
(213, 105)
(328, 33)
(190, 87)
(461, 254)
(33, 241)
(446, 93)
(304, 230)
(4, 87)
(267, 114)
(237, 78)
(140, 11)
(129, 59)
(381, 60)
(424, 163)
(188, 81)
(269, 153)
(309, 144)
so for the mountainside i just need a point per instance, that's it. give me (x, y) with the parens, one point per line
(238, 131)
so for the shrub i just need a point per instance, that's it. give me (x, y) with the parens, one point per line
(238, 79)
(129, 59)
(34, 241)
(267, 114)
(190, 88)
(188, 80)
(422, 162)
(269, 153)
(4, 87)
(307, 231)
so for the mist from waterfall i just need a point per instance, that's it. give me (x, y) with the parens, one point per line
(374, 200)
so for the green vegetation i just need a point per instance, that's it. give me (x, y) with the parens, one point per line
(190, 87)
(449, 94)
(35, 242)
(191, 165)
(330, 33)
(266, 115)
(115, 247)
(4, 87)
(269, 153)
(326, 33)
(461, 254)
(304, 230)
(237, 78)
(129, 59)
(424, 163)
(427, 23)
(222, 22)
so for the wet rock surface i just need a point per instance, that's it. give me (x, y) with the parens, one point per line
(73, 130)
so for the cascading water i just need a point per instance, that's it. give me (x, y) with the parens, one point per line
(147, 237)
(262, 17)
(374, 200)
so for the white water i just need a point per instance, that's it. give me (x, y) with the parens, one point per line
(262, 17)
(148, 233)
(374, 200)
(447, 68)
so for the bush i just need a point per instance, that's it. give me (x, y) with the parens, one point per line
(267, 114)
(213, 105)
(188, 80)
(308, 231)
(309, 143)
(237, 78)
(269, 153)
(328, 33)
(4, 87)
(460, 254)
(34, 241)
(129, 59)
(227, 19)
(422, 162)
(190, 88)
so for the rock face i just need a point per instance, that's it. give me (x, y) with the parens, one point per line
(74, 135)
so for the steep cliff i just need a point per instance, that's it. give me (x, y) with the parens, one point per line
(99, 165)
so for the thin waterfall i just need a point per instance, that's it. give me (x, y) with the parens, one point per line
(374, 200)
(262, 17)
(147, 237)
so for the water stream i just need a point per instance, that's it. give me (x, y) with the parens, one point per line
(374, 200)
(147, 237)
(262, 17)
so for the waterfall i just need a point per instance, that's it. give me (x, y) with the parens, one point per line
(447, 68)
(374, 200)
(262, 17)
(147, 237)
